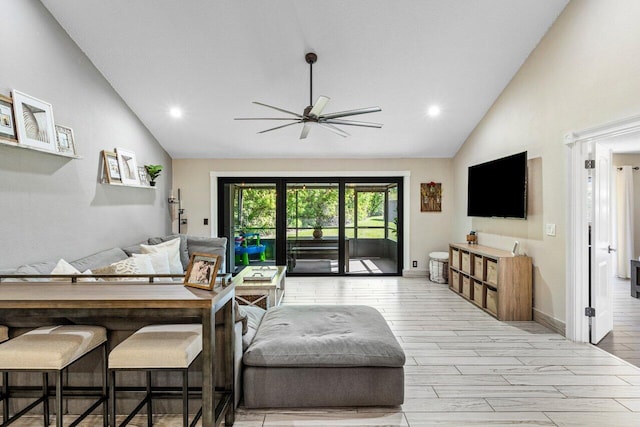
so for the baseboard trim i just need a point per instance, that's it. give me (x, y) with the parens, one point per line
(544, 319)
(415, 273)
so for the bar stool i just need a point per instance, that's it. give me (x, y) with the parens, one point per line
(157, 348)
(52, 349)
(4, 335)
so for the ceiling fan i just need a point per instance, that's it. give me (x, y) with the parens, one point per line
(313, 113)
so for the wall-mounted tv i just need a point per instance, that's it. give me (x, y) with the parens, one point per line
(499, 188)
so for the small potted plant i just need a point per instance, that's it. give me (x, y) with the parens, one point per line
(317, 231)
(154, 172)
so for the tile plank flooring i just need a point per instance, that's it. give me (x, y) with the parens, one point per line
(624, 340)
(464, 367)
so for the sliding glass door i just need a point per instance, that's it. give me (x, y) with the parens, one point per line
(314, 226)
(371, 219)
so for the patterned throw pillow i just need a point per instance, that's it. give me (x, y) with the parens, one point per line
(122, 269)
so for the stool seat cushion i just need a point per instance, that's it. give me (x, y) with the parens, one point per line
(4, 333)
(440, 256)
(158, 346)
(50, 347)
(324, 336)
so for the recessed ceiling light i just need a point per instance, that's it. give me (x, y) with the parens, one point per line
(433, 111)
(175, 112)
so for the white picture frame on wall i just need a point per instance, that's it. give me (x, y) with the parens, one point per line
(34, 122)
(128, 166)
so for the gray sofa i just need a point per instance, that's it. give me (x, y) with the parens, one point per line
(121, 328)
(188, 245)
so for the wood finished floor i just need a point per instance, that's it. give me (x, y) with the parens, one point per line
(624, 340)
(464, 367)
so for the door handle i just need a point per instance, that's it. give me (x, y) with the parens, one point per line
(610, 249)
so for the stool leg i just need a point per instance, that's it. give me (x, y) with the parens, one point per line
(185, 398)
(5, 401)
(59, 399)
(105, 405)
(149, 405)
(45, 393)
(112, 398)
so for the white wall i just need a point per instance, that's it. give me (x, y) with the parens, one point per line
(52, 207)
(632, 160)
(429, 231)
(584, 72)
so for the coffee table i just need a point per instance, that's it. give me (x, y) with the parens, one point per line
(264, 294)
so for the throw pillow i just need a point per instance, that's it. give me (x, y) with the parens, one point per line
(63, 267)
(145, 266)
(184, 253)
(172, 248)
(122, 269)
(159, 262)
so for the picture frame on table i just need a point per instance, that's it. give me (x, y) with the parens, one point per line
(128, 166)
(144, 176)
(65, 143)
(7, 123)
(34, 122)
(111, 167)
(202, 271)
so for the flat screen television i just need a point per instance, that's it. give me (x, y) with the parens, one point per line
(499, 188)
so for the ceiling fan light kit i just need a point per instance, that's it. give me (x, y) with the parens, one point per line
(312, 114)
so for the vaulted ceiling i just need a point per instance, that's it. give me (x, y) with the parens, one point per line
(211, 59)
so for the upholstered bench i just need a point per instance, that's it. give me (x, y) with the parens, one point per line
(321, 356)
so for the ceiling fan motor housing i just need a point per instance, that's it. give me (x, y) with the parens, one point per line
(311, 58)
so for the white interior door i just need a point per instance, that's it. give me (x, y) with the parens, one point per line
(600, 247)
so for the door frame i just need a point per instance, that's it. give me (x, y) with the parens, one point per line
(577, 245)
(406, 194)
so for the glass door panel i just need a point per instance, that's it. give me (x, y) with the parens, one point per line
(252, 224)
(313, 224)
(371, 218)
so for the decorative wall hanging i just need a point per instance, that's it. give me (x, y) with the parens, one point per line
(431, 197)
(112, 170)
(34, 122)
(64, 140)
(7, 126)
(128, 166)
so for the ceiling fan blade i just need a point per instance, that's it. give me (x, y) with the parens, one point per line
(266, 118)
(277, 108)
(352, 123)
(351, 112)
(305, 131)
(280, 127)
(318, 106)
(333, 129)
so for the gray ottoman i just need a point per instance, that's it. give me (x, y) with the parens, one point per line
(319, 356)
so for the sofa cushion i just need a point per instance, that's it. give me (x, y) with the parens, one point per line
(324, 336)
(208, 245)
(99, 259)
(254, 317)
(134, 249)
(184, 254)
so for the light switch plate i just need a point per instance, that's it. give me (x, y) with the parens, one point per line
(551, 229)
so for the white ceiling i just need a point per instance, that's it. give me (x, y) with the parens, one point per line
(213, 58)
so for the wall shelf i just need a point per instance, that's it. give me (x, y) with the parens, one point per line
(118, 184)
(10, 143)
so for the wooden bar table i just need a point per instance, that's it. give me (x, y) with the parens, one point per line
(128, 300)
